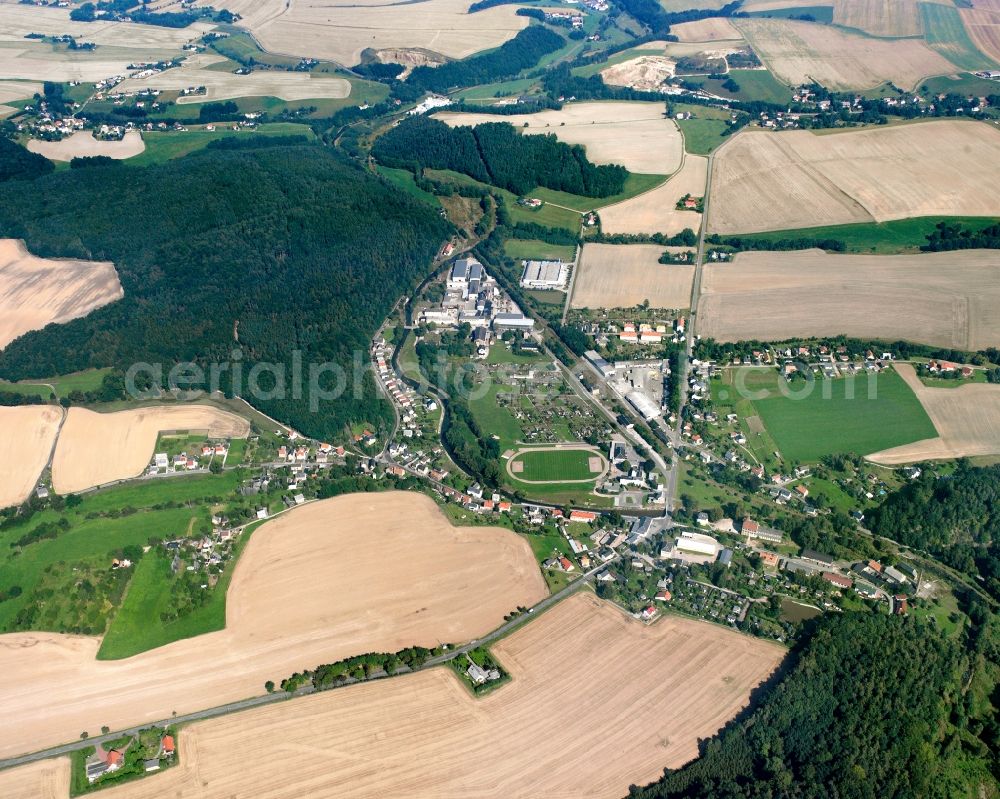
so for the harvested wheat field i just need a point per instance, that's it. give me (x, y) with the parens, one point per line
(227, 85)
(623, 275)
(577, 719)
(11, 90)
(949, 299)
(47, 779)
(887, 18)
(712, 29)
(83, 143)
(339, 577)
(655, 211)
(27, 433)
(98, 448)
(803, 52)
(342, 29)
(982, 21)
(35, 292)
(777, 181)
(967, 419)
(645, 73)
(636, 135)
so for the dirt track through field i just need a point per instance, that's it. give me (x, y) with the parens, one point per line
(359, 573)
(794, 179)
(98, 448)
(35, 292)
(598, 701)
(967, 419)
(27, 433)
(949, 299)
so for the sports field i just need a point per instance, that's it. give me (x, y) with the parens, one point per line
(808, 420)
(556, 465)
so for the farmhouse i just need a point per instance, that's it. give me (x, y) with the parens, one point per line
(837, 579)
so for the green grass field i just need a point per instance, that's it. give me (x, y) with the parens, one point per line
(959, 84)
(754, 84)
(703, 132)
(496, 420)
(822, 14)
(88, 380)
(635, 183)
(533, 249)
(879, 238)
(492, 91)
(166, 145)
(403, 180)
(829, 416)
(945, 32)
(555, 465)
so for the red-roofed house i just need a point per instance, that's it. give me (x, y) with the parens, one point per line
(503, 507)
(167, 744)
(582, 516)
(838, 580)
(663, 596)
(566, 563)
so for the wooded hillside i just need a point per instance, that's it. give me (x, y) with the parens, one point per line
(286, 248)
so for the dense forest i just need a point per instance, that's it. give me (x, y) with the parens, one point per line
(866, 711)
(264, 252)
(17, 163)
(497, 153)
(506, 61)
(956, 518)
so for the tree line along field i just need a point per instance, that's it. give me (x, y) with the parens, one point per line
(420, 581)
(808, 420)
(684, 680)
(796, 179)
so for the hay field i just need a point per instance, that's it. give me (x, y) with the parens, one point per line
(982, 21)
(878, 17)
(949, 299)
(636, 135)
(341, 29)
(227, 85)
(967, 419)
(82, 143)
(654, 211)
(12, 90)
(576, 720)
(27, 433)
(763, 181)
(344, 576)
(802, 52)
(712, 29)
(35, 292)
(47, 779)
(98, 448)
(623, 275)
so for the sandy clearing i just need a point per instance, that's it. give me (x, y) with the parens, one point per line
(27, 433)
(654, 211)
(711, 29)
(98, 448)
(645, 73)
(577, 720)
(342, 29)
(340, 577)
(35, 292)
(47, 779)
(82, 143)
(802, 52)
(967, 419)
(636, 135)
(623, 275)
(227, 85)
(766, 181)
(949, 299)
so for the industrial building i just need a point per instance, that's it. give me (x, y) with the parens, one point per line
(646, 407)
(544, 275)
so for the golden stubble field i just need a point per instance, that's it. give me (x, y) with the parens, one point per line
(655, 211)
(636, 135)
(35, 292)
(228, 85)
(888, 18)
(803, 52)
(98, 448)
(982, 21)
(793, 179)
(712, 29)
(339, 577)
(949, 299)
(341, 29)
(967, 419)
(83, 143)
(27, 434)
(47, 779)
(623, 275)
(598, 701)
